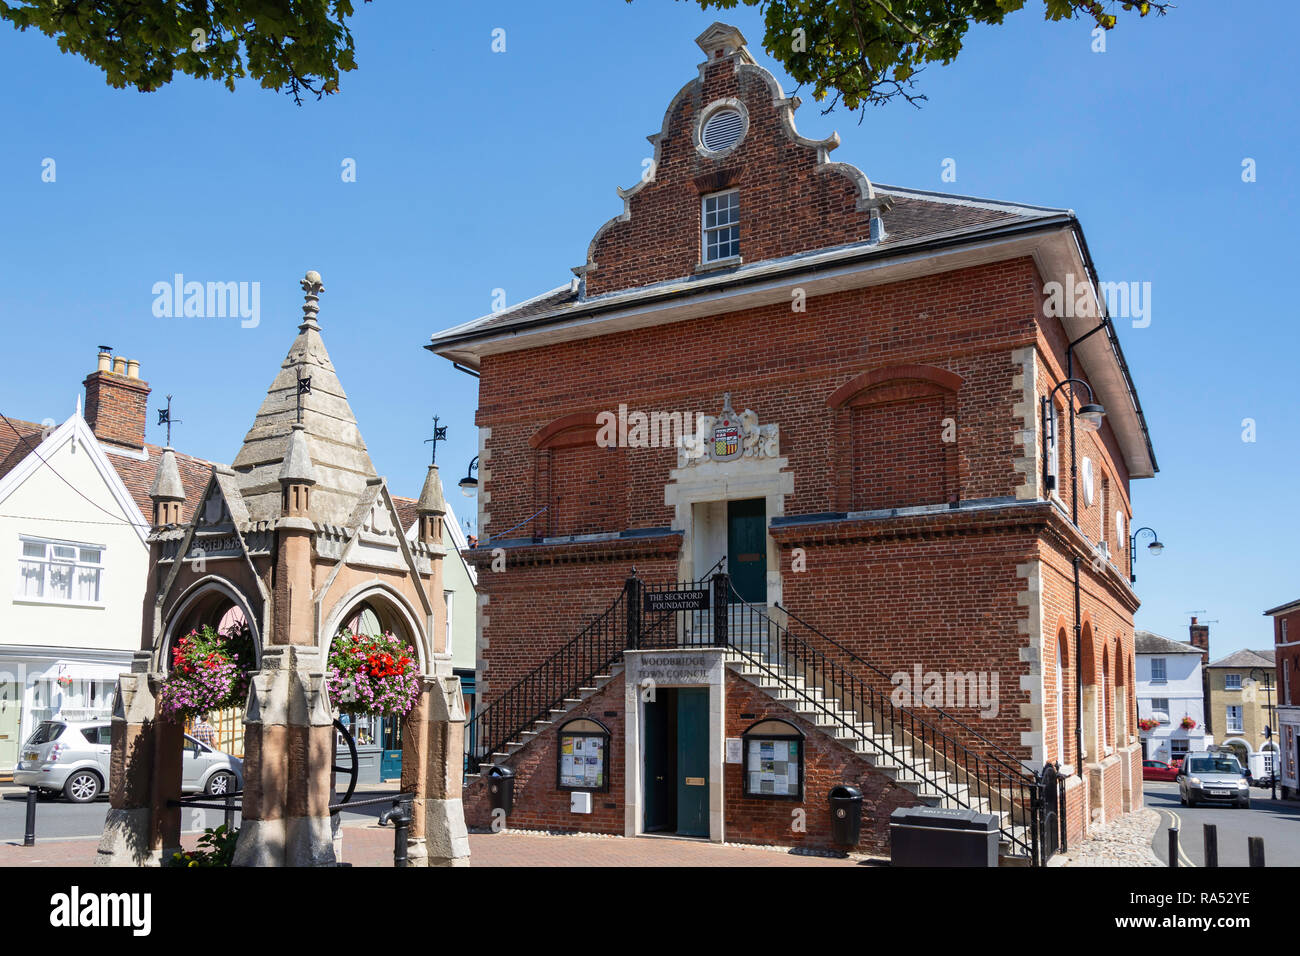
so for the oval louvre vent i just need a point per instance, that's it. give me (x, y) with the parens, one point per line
(722, 130)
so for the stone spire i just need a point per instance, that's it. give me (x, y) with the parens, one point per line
(167, 493)
(431, 507)
(306, 390)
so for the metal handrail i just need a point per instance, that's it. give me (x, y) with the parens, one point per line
(1014, 762)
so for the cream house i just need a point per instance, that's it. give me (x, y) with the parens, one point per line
(73, 553)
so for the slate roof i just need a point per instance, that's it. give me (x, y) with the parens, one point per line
(916, 216)
(1145, 642)
(1246, 658)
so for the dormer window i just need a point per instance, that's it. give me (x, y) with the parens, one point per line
(722, 226)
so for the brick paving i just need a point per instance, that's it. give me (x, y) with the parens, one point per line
(370, 845)
(1122, 842)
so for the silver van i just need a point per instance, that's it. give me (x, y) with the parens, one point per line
(72, 757)
(1212, 777)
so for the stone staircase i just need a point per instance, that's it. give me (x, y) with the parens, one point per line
(916, 768)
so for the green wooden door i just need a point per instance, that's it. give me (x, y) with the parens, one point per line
(659, 810)
(747, 548)
(693, 761)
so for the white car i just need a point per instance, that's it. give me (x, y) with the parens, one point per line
(72, 757)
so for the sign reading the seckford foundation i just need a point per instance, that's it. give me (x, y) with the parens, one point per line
(676, 668)
(695, 599)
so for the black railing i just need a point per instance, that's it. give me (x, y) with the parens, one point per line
(596, 648)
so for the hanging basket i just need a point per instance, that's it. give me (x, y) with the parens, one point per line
(209, 672)
(1187, 723)
(372, 675)
(1148, 724)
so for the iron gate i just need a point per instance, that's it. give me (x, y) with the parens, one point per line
(1051, 816)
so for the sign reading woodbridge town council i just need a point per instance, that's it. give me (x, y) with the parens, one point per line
(695, 599)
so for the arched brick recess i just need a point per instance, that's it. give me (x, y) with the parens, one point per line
(581, 485)
(911, 401)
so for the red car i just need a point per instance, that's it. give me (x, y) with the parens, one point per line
(1159, 770)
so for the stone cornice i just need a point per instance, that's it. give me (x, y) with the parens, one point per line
(525, 554)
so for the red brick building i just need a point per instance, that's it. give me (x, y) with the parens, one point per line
(1286, 646)
(859, 372)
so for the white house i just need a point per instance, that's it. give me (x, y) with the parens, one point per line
(1170, 691)
(73, 505)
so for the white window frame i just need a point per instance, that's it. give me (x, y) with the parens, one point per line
(1237, 726)
(706, 229)
(77, 563)
(1163, 677)
(1232, 682)
(1157, 708)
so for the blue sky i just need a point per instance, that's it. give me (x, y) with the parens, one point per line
(479, 170)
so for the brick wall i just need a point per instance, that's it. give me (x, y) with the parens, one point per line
(785, 366)
(1287, 658)
(827, 764)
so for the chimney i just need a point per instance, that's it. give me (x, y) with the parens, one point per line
(117, 402)
(1200, 638)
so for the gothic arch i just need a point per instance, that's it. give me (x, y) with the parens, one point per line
(198, 602)
(393, 610)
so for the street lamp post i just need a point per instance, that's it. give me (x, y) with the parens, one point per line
(1268, 729)
(1155, 547)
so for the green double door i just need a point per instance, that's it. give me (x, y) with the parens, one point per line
(677, 761)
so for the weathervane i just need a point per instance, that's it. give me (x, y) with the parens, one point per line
(165, 418)
(304, 388)
(439, 434)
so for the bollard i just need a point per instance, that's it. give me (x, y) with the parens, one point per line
(29, 837)
(401, 821)
(1173, 847)
(1255, 846)
(230, 813)
(1211, 845)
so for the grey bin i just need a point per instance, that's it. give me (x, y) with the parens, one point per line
(501, 788)
(933, 836)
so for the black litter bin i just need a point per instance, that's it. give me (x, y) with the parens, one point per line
(846, 814)
(501, 788)
(933, 836)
